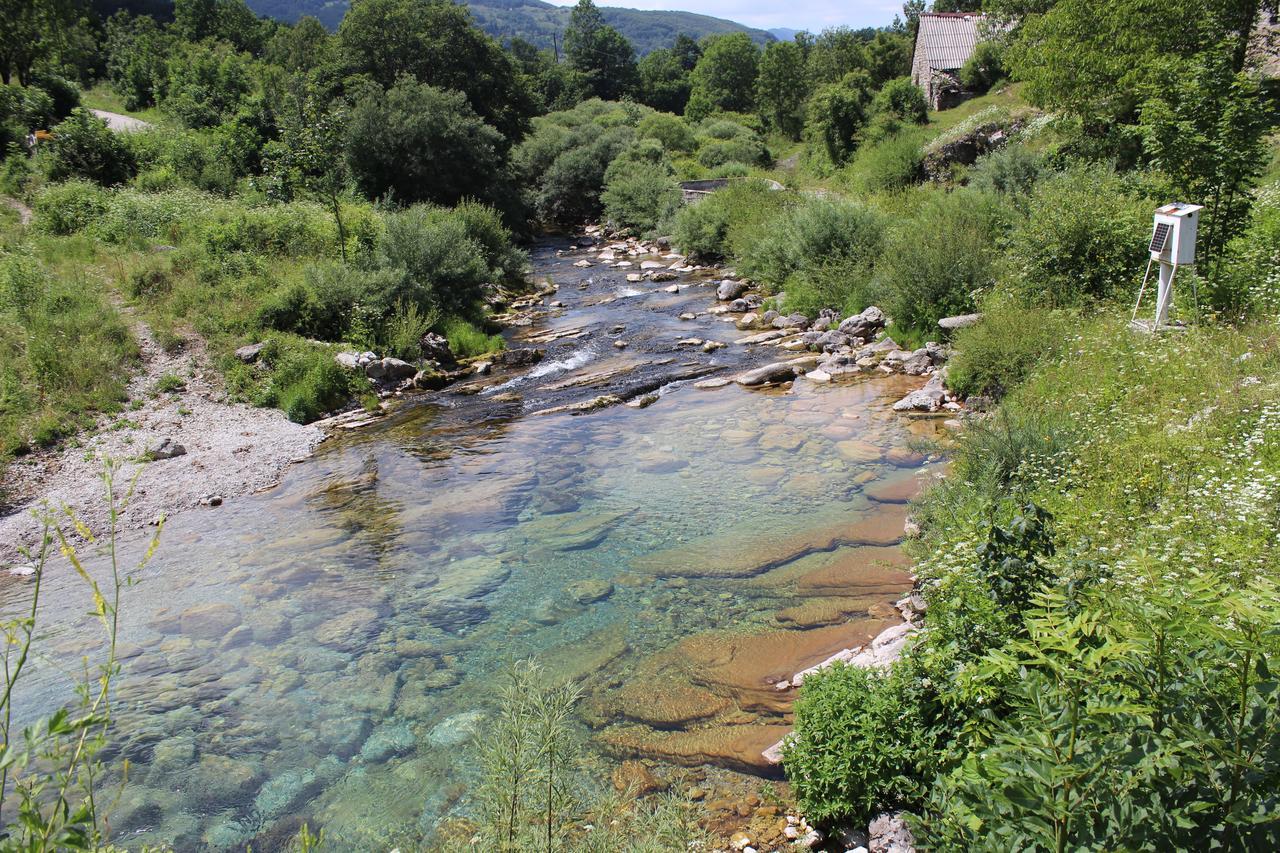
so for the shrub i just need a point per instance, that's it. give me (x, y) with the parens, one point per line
(484, 225)
(466, 341)
(861, 743)
(891, 164)
(1010, 171)
(902, 101)
(1081, 242)
(69, 207)
(441, 265)
(729, 221)
(640, 195)
(984, 67)
(999, 352)
(816, 233)
(672, 131)
(84, 147)
(938, 262)
(1247, 282)
(305, 381)
(403, 336)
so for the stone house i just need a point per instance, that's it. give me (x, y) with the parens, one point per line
(944, 42)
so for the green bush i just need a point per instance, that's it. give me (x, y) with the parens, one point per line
(640, 192)
(440, 264)
(837, 115)
(305, 381)
(816, 233)
(1010, 171)
(861, 743)
(1082, 240)
(672, 131)
(728, 222)
(984, 67)
(938, 262)
(466, 341)
(69, 207)
(891, 164)
(484, 226)
(901, 100)
(1131, 722)
(1247, 282)
(84, 147)
(994, 356)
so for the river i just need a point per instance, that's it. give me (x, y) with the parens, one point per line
(326, 650)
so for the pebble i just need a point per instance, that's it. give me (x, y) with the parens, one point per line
(619, 344)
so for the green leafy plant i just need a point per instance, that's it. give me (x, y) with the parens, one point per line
(51, 768)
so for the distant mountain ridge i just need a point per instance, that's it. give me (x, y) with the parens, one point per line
(535, 21)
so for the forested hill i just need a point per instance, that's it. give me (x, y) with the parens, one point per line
(535, 20)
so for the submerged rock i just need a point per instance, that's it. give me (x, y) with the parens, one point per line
(456, 730)
(387, 740)
(589, 591)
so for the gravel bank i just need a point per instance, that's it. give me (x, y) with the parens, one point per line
(231, 450)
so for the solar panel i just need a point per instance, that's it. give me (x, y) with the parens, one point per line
(1160, 237)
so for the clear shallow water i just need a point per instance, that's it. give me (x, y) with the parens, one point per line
(325, 651)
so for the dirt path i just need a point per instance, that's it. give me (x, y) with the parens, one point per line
(24, 213)
(121, 123)
(231, 449)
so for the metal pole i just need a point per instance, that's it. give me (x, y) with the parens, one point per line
(1141, 290)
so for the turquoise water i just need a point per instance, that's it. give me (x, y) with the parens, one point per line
(326, 651)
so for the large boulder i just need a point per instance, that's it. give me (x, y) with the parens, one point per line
(778, 371)
(519, 357)
(730, 290)
(436, 348)
(865, 325)
(395, 369)
(928, 399)
(960, 321)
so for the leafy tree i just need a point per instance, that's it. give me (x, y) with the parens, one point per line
(302, 47)
(672, 131)
(136, 58)
(229, 20)
(664, 83)
(207, 83)
(724, 79)
(838, 113)
(984, 67)
(901, 101)
(436, 42)
(687, 51)
(418, 142)
(781, 90)
(309, 156)
(1204, 127)
(836, 52)
(31, 29)
(887, 56)
(84, 147)
(600, 52)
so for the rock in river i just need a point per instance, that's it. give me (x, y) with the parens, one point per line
(589, 591)
(730, 290)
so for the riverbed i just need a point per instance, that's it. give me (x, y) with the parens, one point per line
(327, 650)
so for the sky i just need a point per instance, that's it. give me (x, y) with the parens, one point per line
(812, 15)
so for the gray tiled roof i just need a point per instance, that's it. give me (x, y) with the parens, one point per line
(947, 38)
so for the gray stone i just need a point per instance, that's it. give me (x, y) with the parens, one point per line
(387, 740)
(730, 290)
(436, 348)
(249, 354)
(519, 357)
(960, 321)
(739, 306)
(778, 371)
(456, 730)
(864, 325)
(889, 834)
(166, 449)
(918, 363)
(393, 369)
(927, 399)
(349, 360)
